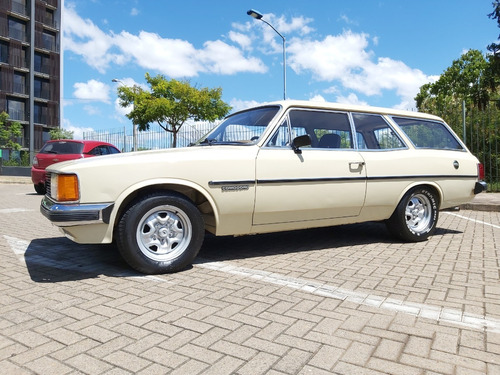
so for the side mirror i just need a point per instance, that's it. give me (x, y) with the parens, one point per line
(300, 141)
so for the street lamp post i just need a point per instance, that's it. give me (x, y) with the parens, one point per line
(258, 16)
(134, 126)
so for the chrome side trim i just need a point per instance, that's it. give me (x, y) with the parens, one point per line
(65, 215)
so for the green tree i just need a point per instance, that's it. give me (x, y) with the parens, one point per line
(9, 132)
(170, 103)
(468, 78)
(61, 134)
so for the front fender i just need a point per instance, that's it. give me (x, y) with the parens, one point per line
(179, 185)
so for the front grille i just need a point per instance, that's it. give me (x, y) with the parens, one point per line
(47, 184)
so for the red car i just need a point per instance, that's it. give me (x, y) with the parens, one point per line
(62, 150)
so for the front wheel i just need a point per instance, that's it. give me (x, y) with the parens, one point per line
(416, 215)
(160, 233)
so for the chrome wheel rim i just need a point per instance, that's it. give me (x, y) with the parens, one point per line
(164, 233)
(418, 213)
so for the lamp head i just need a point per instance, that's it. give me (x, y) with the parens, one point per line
(255, 14)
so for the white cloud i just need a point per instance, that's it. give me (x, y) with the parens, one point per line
(221, 58)
(317, 98)
(134, 12)
(173, 57)
(242, 39)
(347, 59)
(92, 90)
(239, 105)
(77, 131)
(350, 99)
(84, 38)
(331, 58)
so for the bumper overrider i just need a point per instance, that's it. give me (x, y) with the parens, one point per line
(480, 187)
(66, 215)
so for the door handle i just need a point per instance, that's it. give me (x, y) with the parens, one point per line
(356, 166)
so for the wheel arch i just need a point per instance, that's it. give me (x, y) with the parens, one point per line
(438, 192)
(196, 194)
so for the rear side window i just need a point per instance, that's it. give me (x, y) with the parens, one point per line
(373, 133)
(62, 148)
(428, 134)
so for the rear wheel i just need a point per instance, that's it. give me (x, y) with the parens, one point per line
(40, 189)
(416, 215)
(160, 233)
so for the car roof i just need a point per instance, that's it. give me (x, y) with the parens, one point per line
(351, 108)
(87, 144)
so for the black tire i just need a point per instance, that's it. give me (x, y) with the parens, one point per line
(416, 215)
(160, 233)
(40, 189)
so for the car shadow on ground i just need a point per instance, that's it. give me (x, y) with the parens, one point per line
(337, 237)
(59, 259)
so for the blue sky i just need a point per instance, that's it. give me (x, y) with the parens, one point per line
(375, 52)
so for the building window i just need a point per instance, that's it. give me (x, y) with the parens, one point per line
(40, 116)
(49, 40)
(16, 109)
(42, 88)
(48, 18)
(42, 63)
(19, 6)
(19, 83)
(17, 29)
(4, 52)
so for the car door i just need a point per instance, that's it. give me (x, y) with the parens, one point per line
(324, 181)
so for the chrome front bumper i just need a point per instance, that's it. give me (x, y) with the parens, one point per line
(65, 215)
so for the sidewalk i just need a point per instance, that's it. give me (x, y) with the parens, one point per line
(481, 202)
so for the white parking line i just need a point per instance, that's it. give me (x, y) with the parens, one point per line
(13, 210)
(473, 220)
(436, 313)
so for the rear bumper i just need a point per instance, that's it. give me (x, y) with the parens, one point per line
(480, 187)
(37, 176)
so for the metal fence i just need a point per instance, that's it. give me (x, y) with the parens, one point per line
(479, 129)
(152, 139)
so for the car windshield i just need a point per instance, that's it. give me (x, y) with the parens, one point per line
(62, 148)
(242, 127)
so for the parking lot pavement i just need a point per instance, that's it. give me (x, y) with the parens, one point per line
(341, 300)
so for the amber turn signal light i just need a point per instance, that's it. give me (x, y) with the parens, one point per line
(67, 188)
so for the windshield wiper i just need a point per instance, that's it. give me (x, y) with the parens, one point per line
(208, 141)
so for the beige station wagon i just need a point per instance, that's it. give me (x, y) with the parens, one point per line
(282, 166)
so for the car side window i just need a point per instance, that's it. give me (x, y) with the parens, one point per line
(281, 138)
(327, 129)
(112, 150)
(94, 151)
(428, 134)
(374, 133)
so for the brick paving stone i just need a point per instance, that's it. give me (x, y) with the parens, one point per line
(358, 353)
(235, 350)
(260, 364)
(326, 357)
(389, 350)
(89, 365)
(226, 366)
(48, 366)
